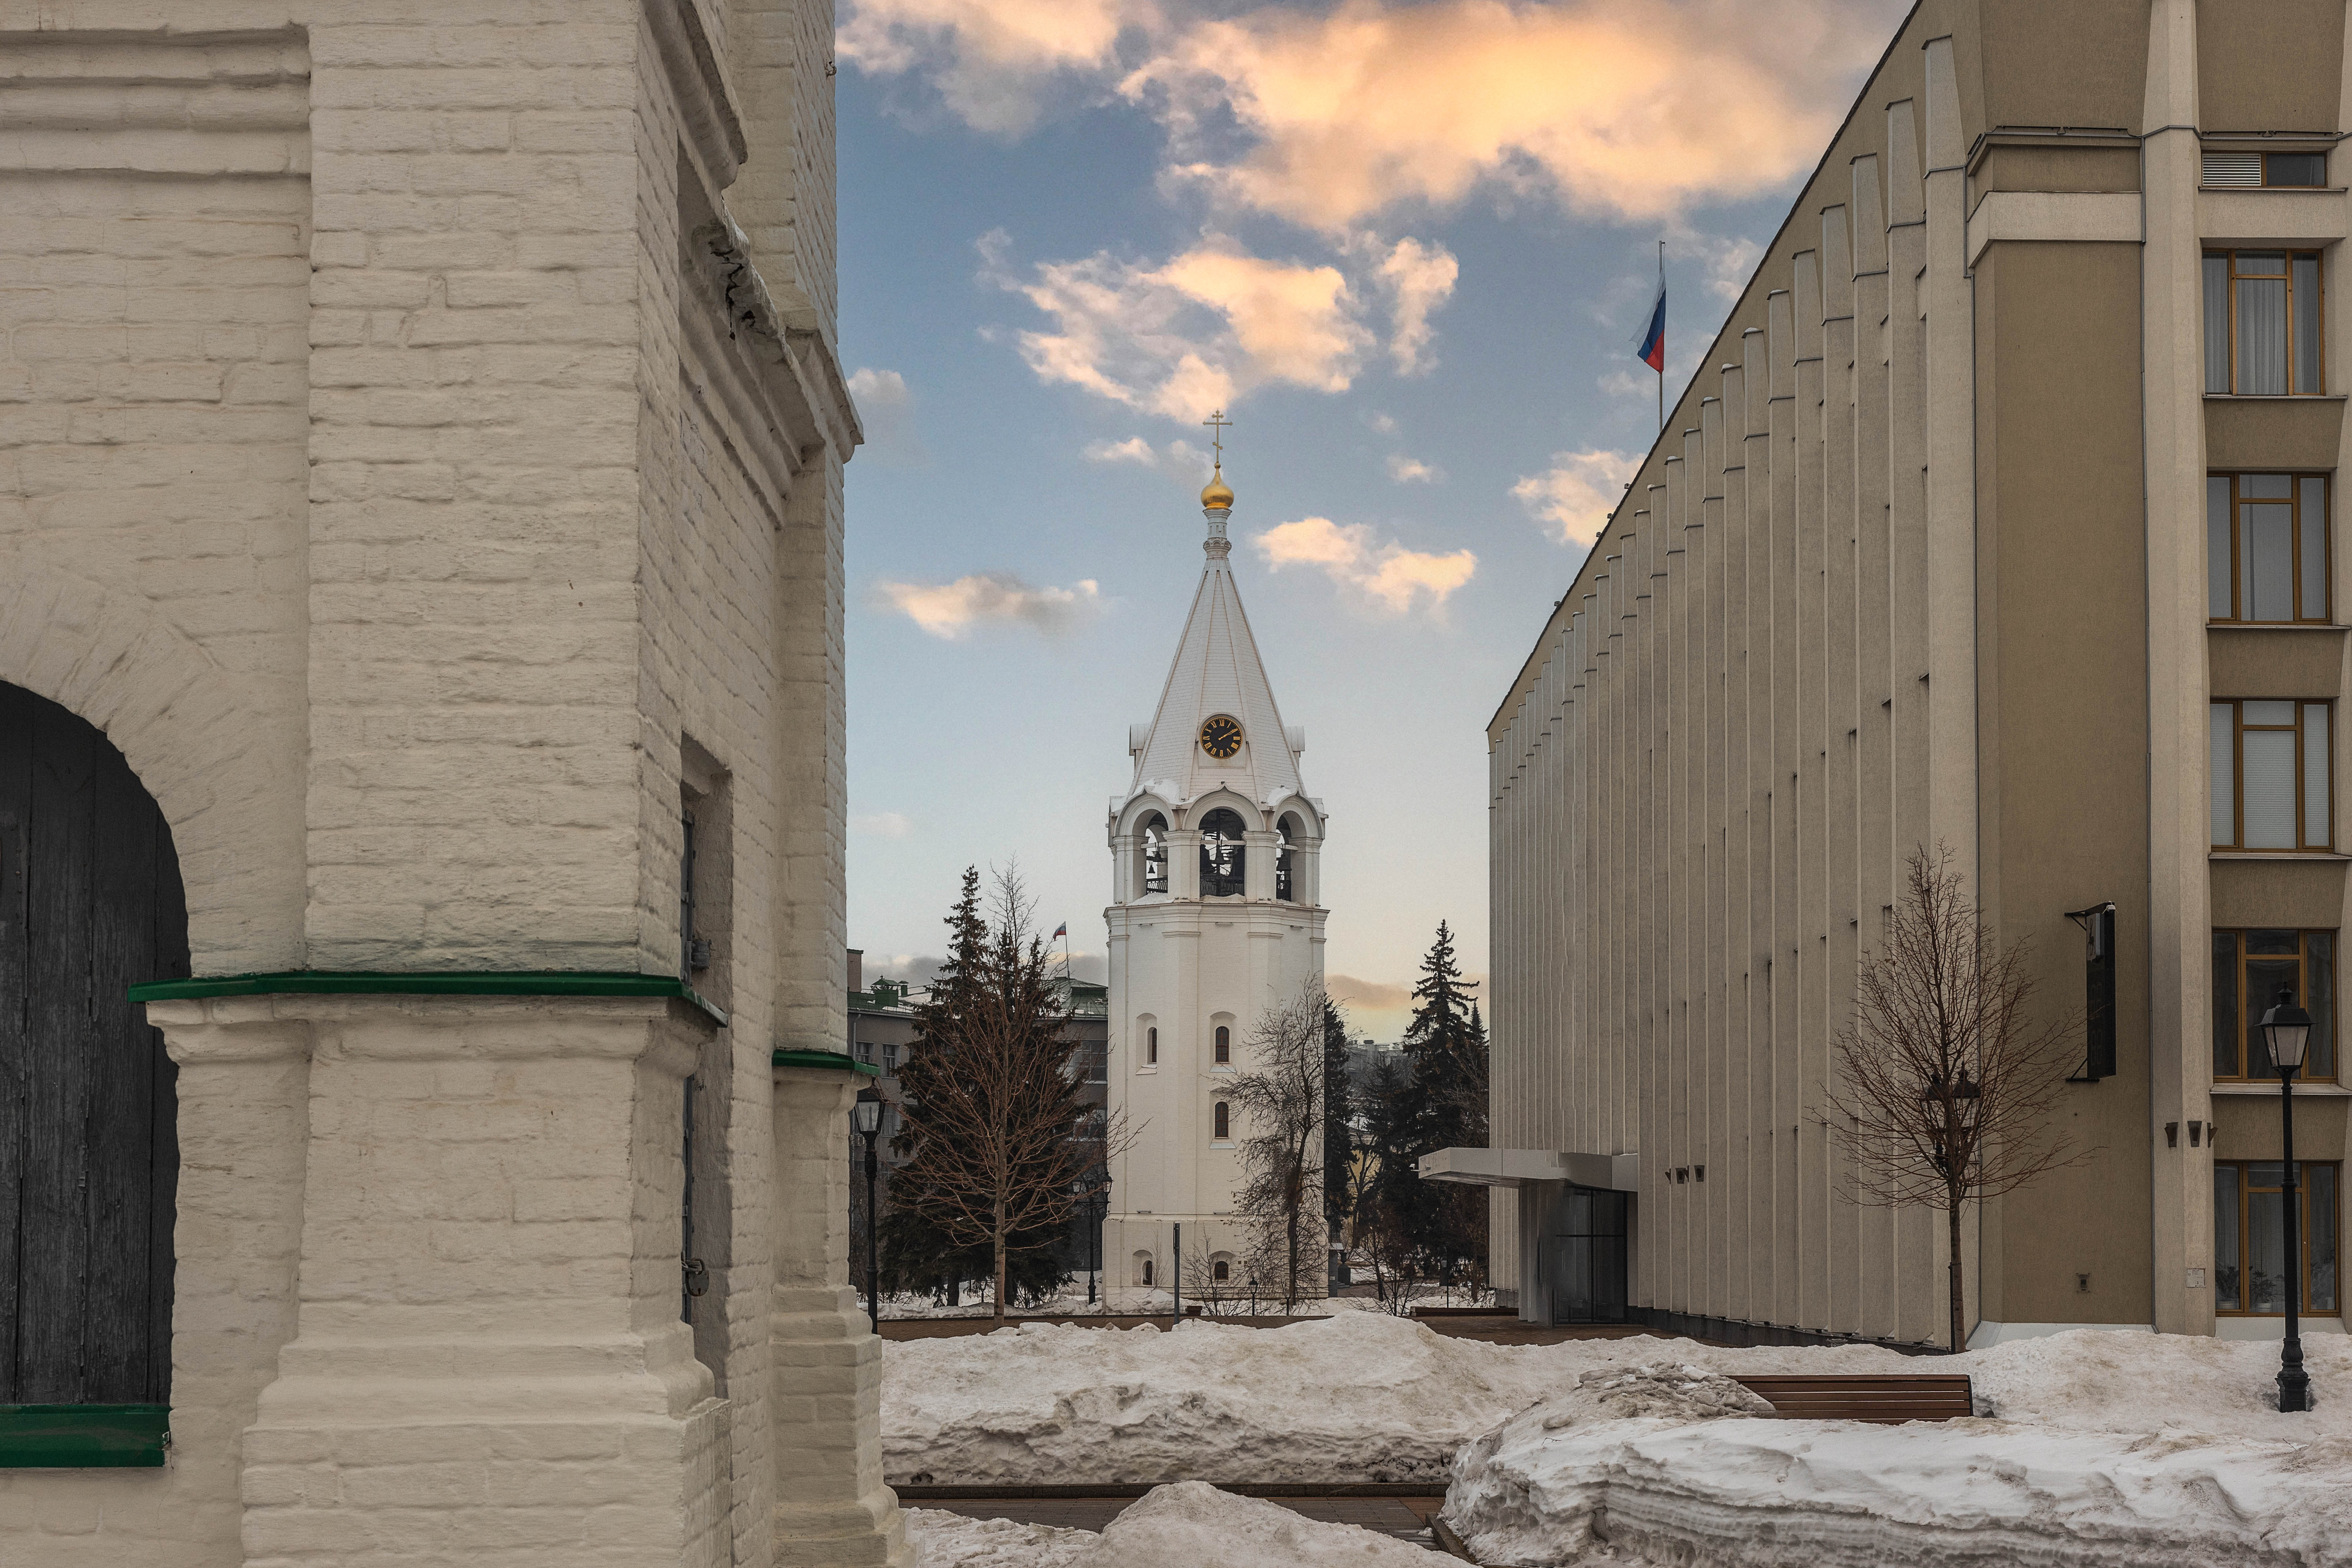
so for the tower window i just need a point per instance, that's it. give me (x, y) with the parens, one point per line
(1222, 855)
(1220, 1271)
(1224, 1122)
(1155, 854)
(1224, 1046)
(1282, 884)
(1151, 1046)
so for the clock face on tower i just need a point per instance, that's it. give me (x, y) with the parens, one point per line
(1221, 736)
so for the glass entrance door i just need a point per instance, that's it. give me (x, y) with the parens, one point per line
(1584, 1258)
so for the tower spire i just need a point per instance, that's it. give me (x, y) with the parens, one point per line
(1217, 496)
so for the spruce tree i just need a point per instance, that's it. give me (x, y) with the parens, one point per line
(991, 978)
(1442, 1106)
(1338, 1136)
(991, 1104)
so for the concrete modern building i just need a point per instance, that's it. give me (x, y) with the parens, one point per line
(421, 791)
(1214, 918)
(2000, 515)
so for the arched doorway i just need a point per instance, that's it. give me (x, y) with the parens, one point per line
(91, 903)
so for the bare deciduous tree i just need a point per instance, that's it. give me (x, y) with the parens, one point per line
(1281, 1104)
(995, 1095)
(1943, 1083)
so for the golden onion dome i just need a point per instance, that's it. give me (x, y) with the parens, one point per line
(1218, 496)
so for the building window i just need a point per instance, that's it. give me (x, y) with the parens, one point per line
(2270, 775)
(1224, 1044)
(1221, 855)
(2249, 969)
(1155, 854)
(1151, 1047)
(890, 1059)
(2250, 1237)
(2262, 323)
(1220, 1271)
(2266, 541)
(2243, 169)
(1097, 1064)
(1147, 1271)
(1224, 1122)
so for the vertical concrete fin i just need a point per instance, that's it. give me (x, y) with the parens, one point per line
(1946, 144)
(1806, 266)
(1869, 218)
(1780, 333)
(2171, 95)
(1907, 195)
(1836, 264)
(1755, 381)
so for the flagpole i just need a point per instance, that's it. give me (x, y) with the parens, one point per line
(1662, 359)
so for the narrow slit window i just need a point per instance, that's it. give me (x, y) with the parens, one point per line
(2267, 549)
(1224, 1123)
(1224, 1044)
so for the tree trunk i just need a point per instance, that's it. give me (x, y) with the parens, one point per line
(1952, 1214)
(1002, 1264)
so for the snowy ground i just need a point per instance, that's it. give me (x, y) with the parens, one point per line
(1188, 1525)
(1667, 1464)
(2128, 1449)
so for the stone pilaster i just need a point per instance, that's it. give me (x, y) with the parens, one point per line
(832, 1508)
(488, 1349)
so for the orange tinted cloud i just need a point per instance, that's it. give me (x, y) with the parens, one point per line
(992, 60)
(1577, 492)
(1192, 333)
(1635, 106)
(1388, 576)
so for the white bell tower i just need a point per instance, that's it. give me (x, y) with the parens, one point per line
(1215, 918)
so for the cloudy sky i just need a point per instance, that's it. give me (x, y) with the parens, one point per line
(1407, 246)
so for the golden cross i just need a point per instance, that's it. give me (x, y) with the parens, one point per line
(1218, 423)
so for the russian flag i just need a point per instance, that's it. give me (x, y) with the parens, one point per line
(1060, 932)
(1653, 352)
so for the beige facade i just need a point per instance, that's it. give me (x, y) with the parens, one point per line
(421, 436)
(1922, 557)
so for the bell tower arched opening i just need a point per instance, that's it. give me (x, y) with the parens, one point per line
(1223, 857)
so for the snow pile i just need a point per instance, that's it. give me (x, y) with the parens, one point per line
(1358, 1397)
(2144, 1450)
(1188, 1525)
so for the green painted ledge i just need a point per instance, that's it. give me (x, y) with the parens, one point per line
(83, 1437)
(840, 1061)
(429, 982)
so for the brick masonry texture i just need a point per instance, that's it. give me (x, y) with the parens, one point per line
(395, 467)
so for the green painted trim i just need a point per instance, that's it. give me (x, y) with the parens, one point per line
(835, 1059)
(428, 982)
(83, 1437)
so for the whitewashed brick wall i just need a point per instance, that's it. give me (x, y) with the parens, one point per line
(400, 500)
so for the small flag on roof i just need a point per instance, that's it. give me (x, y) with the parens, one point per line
(1060, 931)
(1652, 349)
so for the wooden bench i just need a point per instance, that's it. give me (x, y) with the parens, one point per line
(1888, 1400)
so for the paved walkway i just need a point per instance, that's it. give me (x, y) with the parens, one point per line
(1407, 1519)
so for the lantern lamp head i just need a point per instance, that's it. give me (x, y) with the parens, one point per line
(2286, 1030)
(867, 1113)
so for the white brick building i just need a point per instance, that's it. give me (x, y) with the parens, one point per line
(420, 447)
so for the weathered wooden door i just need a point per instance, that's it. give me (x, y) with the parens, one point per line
(89, 903)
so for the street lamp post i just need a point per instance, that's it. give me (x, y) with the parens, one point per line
(2287, 1028)
(1092, 1192)
(866, 1115)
